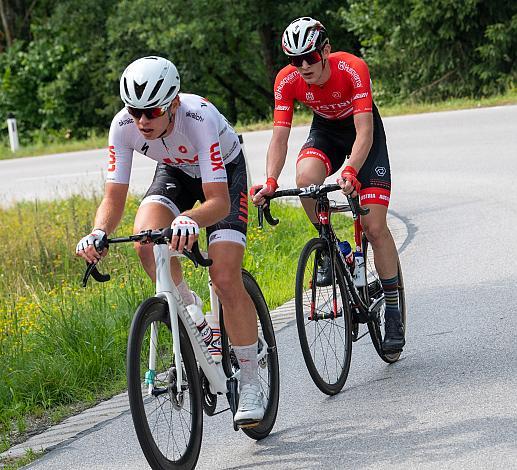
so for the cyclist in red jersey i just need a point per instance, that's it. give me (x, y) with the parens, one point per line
(346, 124)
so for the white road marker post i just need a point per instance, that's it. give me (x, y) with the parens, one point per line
(13, 132)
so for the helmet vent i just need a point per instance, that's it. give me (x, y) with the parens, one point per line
(307, 32)
(171, 91)
(156, 89)
(139, 89)
(125, 88)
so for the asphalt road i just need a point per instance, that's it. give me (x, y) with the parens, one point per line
(450, 402)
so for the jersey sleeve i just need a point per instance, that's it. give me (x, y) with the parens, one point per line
(284, 101)
(120, 156)
(362, 90)
(206, 135)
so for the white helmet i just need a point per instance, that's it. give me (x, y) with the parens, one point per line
(303, 35)
(149, 82)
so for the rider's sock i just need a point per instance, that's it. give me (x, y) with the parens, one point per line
(247, 357)
(186, 293)
(391, 295)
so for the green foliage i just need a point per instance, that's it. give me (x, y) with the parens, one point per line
(61, 77)
(435, 50)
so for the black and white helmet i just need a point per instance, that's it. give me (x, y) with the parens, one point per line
(304, 35)
(149, 82)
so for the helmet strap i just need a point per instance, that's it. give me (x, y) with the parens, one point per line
(323, 64)
(170, 115)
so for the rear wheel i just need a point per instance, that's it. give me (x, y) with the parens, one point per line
(372, 292)
(168, 417)
(269, 378)
(323, 319)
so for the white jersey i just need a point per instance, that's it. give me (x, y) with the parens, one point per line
(200, 144)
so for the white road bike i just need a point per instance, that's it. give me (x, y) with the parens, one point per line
(171, 375)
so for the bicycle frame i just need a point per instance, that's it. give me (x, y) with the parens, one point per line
(166, 289)
(323, 212)
(324, 215)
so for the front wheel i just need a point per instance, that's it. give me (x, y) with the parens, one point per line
(323, 319)
(168, 416)
(372, 292)
(269, 376)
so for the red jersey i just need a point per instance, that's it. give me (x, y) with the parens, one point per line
(347, 91)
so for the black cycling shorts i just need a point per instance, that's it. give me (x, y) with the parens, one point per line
(331, 142)
(179, 192)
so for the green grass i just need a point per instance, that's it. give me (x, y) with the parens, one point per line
(16, 463)
(72, 145)
(301, 117)
(62, 345)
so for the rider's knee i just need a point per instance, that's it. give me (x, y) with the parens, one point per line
(144, 252)
(225, 283)
(376, 232)
(304, 178)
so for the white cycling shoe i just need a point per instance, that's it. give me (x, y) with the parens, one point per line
(251, 406)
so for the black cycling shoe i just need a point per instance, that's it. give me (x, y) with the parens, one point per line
(324, 275)
(394, 336)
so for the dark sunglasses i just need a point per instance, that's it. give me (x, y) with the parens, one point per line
(150, 113)
(311, 58)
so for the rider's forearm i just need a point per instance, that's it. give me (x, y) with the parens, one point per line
(210, 212)
(360, 149)
(276, 156)
(108, 215)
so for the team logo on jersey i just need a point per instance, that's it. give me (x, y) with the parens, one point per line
(342, 65)
(282, 108)
(287, 79)
(182, 149)
(195, 116)
(380, 170)
(112, 158)
(358, 96)
(336, 95)
(123, 122)
(215, 157)
(309, 96)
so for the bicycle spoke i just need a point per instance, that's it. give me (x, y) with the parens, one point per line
(323, 320)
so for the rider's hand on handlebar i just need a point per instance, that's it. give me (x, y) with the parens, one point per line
(349, 182)
(88, 247)
(258, 191)
(185, 231)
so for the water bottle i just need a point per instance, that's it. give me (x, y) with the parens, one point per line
(359, 271)
(201, 324)
(347, 254)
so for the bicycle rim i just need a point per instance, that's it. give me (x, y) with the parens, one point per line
(169, 429)
(269, 378)
(325, 338)
(376, 327)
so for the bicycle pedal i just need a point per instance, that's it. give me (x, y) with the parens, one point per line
(249, 425)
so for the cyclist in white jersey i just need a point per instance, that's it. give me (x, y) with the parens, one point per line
(199, 159)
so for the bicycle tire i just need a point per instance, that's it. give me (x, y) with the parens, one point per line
(375, 327)
(161, 449)
(323, 328)
(269, 376)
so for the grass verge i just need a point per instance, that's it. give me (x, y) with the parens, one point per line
(63, 347)
(301, 117)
